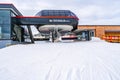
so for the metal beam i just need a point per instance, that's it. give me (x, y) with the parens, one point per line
(30, 33)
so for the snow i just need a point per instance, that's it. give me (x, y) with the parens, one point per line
(86, 60)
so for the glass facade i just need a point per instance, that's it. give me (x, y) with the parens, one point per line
(5, 24)
(0, 32)
(9, 33)
(55, 13)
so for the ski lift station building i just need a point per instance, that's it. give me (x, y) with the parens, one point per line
(14, 26)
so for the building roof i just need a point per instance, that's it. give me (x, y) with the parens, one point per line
(55, 13)
(11, 7)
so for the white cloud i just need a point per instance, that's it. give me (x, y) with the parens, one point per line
(88, 11)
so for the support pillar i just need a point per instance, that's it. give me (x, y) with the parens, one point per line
(30, 33)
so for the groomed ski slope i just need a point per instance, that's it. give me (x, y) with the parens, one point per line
(89, 60)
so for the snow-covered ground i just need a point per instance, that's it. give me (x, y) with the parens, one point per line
(86, 60)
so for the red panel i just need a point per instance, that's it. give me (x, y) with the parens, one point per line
(47, 17)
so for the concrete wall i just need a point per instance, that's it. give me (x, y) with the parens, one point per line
(100, 29)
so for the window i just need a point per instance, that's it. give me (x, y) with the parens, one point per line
(4, 17)
(1, 21)
(0, 32)
(4, 32)
(56, 13)
(92, 33)
(6, 28)
(5, 24)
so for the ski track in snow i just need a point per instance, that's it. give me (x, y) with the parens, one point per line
(86, 60)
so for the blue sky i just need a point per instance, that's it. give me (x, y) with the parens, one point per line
(90, 12)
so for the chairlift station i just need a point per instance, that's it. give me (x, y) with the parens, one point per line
(52, 25)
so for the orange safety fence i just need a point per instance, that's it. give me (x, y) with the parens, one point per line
(111, 38)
